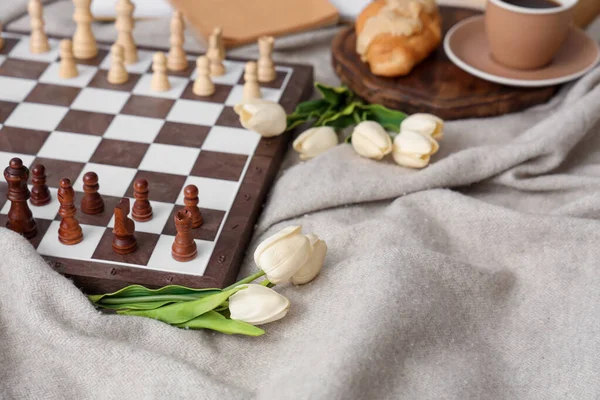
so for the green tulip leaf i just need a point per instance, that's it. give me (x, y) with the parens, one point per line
(139, 291)
(389, 119)
(146, 305)
(311, 106)
(217, 322)
(181, 312)
(335, 95)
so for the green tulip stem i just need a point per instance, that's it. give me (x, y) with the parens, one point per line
(248, 279)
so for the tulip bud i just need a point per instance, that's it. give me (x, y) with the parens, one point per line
(257, 305)
(283, 254)
(313, 266)
(315, 141)
(264, 117)
(413, 150)
(370, 140)
(425, 124)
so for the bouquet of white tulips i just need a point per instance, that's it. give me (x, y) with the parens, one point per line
(378, 131)
(286, 256)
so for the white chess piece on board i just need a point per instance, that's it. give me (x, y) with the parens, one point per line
(266, 68)
(216, 63)
(203, 85)
(117, 74)
(160, 80)
(67, 68)
(38, 42)
(218, 33)
(124, 25)
(84, 42)
(176, 60)
(251, 87)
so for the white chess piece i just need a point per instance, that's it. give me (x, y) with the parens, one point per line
(38, 42)
(117, 74)
(176, 60)
(218, 33)
(84, 42)
(251, 87)
(124, 25)
(67, 68)
(160, 81)
(266, 68)
(216, 63)
(203, 85)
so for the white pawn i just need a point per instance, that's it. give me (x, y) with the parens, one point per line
(266, 69)
(251, 87)
(160, 81)
(203, 85)
(176, 60)
(117, 74)
(214, 55)
(67, 68)
(38, 43)
(124, 25)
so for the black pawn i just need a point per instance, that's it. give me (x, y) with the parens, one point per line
(40, 194)
(92, 202)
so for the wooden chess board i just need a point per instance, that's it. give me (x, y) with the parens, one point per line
(125, 132)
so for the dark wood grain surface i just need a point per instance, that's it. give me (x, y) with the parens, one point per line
(436, 85)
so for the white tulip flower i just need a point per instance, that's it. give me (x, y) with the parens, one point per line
(283, 254)
(315, 141)
(262, 116)
(313, 266)
(425, 124)
(370, 140)
(414, 150)
(257, 305)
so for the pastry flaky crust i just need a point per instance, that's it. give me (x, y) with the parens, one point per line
(396, 55)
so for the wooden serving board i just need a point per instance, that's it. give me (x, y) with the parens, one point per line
(436, 85)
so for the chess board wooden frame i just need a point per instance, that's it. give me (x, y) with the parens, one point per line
(237, 228)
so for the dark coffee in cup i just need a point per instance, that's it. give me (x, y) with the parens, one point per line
(533, 3)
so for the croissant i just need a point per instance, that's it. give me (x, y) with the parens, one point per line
(395, 35)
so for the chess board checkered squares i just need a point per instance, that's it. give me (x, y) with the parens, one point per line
(21, 51)
(134, 128)
(114, 181)
(231, 140)
(195, 112)
(142, 66)
(214, 194)
(2, 58)
(51, 246)
(234, 71)
(100, 100)
(6, 108)
(48, 212)
(15, 89)
(236, 95)
(162, 260)
(69, 146)
(51, 75)
(144, 87)
(36, 116)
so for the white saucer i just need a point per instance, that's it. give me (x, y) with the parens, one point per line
(466, 46)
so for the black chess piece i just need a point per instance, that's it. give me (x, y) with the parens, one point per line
(20, 218)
